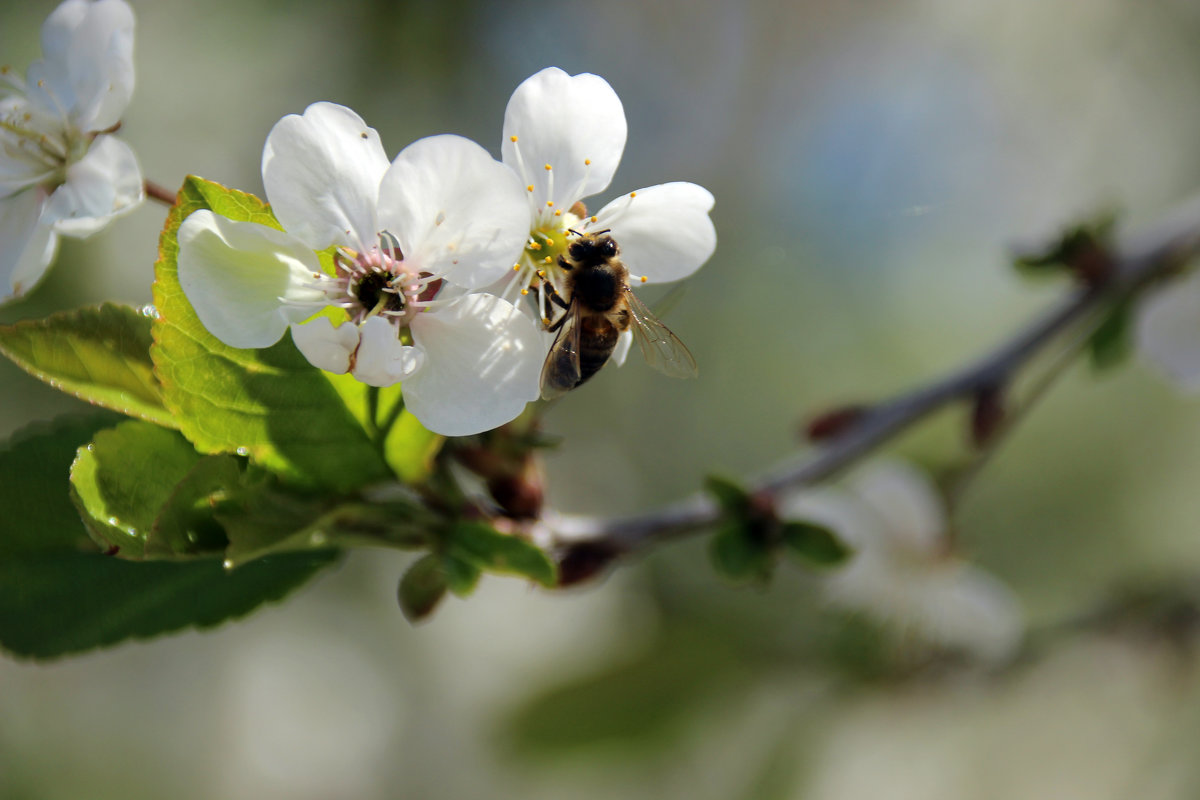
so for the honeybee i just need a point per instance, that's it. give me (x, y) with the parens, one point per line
(598, 309)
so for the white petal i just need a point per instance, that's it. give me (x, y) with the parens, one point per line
(1168, 330)
(564, 121)
(246, 281)
(664, 231)
(963, 607)
(624, 342)
(88, 66)
(483, 359)
(382, 358)
(456, 211)
(103, 184)
(326, 347)
(321, 172)
(26, 247)
(905, 500)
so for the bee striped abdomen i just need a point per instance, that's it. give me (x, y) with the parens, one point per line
(597, 340)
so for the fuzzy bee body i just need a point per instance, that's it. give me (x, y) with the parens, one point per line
(600, 307)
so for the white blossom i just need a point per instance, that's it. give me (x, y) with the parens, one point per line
(1168, 330)
(564, 136)
(903, 571)
(412, 239)
(61, 169)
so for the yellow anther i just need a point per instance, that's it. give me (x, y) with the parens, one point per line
(548, 168)
(535, 246)
(524, 291)
(549, 204)
(529, 188)
(547, 260)
(587, 162)
(643, 279)
(549, 242)
(512, 139)
(545, 320)
(558, 213)
(541, 273)
(633, 194)
(516, 267)
(594, 219)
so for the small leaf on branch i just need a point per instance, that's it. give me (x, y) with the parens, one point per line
(481, 545)
(814, 544)
(100, 355)
(740, 554)
(421, 588)
(1083, 250)
(461, 576)
(730, 496)
(1112, 342)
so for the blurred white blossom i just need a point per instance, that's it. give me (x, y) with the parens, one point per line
(61, 170)
(903, 572)
(1168, 330)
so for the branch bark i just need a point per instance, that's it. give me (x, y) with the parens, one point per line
(1135, 262)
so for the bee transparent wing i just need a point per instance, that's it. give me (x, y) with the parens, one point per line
(662, 349)
(560, 373)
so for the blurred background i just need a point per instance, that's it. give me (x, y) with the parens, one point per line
(872, 164)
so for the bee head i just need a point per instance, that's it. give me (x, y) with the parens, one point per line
(593, 248)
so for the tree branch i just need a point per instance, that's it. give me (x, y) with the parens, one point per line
(586, 544)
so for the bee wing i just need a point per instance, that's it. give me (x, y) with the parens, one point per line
(662, 349)
(560, 373)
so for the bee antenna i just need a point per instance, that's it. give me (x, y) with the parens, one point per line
(606, 230)
(572, 230)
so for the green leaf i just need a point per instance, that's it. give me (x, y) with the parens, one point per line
(730, 496)
(481, 545)
(124, 477)
(270, 404)
(35, 490)
(461, 576)
(186, 524)
(266, 519)
(1112, 342)
(408, 449)
(635, 709)
(100, 355)
(1082, 250)
(739, 555)
(59, 594)
(60, 603)
(814, 544)
(422, 588)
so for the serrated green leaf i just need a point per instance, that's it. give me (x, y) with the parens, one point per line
(814, 544)
(481, 545)
(730, 496)
(1112, 342)
(270, 404)
(100, 355)
(59, 594)
(421, 588)
(739, 555)
(123, 478)
(60, 603)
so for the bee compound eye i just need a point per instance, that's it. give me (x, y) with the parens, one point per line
(608, 247)
(576, 250)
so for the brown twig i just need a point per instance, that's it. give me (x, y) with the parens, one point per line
(1136, 262)
(159, 193)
